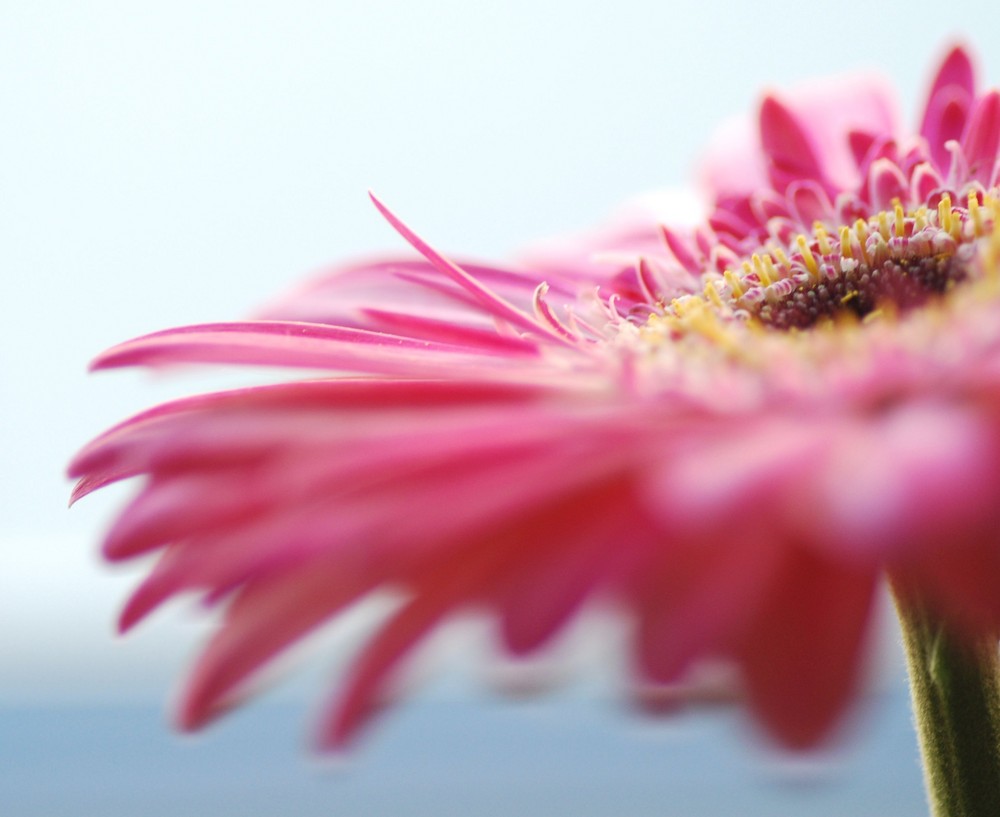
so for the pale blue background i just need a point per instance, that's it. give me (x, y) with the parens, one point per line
(167, 163)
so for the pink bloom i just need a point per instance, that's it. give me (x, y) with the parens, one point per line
(734, 430)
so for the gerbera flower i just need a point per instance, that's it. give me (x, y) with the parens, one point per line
(735, 430)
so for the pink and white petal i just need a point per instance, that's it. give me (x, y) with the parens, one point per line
(886, 184)
(924, 181)
(981, 140)
(834, 107)
(950, 111)
(787, 145)
(810, 203)
(954, 81)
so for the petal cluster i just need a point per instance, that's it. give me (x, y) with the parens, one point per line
(734, 430)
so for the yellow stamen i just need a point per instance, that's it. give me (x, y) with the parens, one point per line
(944, 213)
(991, 249)
(861, 231)
(883, 225)
(769, 269)
(900, 218)
(821, 238)
(782, 258)
(920, 219)
(713, 294)
(845, 243)
(762, 274)
(975, 214)
(734, 283)
(807, 256)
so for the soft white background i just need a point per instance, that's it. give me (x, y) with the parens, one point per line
(168, 163)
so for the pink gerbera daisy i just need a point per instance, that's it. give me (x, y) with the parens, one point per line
(734, 430)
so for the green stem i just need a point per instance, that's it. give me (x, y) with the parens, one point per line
(955, 687)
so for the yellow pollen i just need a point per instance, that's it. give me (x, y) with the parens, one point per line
(845, 243)
(713, 294)
(706, 324)
(779, 254)
(944, 213)
(991, 249)
(861, 231)
(769, 270)
(680, 307)
(900, 218)
(850, 296)
(821, 238)
(762, 274)
(975, 214)
(883, 225)
(920, 219)
(807, 256)
(734, 283)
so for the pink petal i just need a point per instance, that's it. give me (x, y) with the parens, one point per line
(451, 584)
(924, 181)
(488, 300)
(696, 603)
(809, 202)
(982, 138)
(681, 251)
(861, 143)
(802, 655)
(951, 91)
(886, 184)
(266, 617)
(787, 144)
(275, 343)
(559, 557)
(915, 475)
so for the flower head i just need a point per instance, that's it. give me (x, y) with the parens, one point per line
(735, 430)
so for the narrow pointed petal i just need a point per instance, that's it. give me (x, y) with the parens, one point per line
(448, 586)
(680, 249)
(786, 143)
(309, 346)
(955, 78)
(981, 141)
(263, 621)
(488, 300)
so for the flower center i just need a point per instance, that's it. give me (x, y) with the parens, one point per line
(903, 280)
(892, 262)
